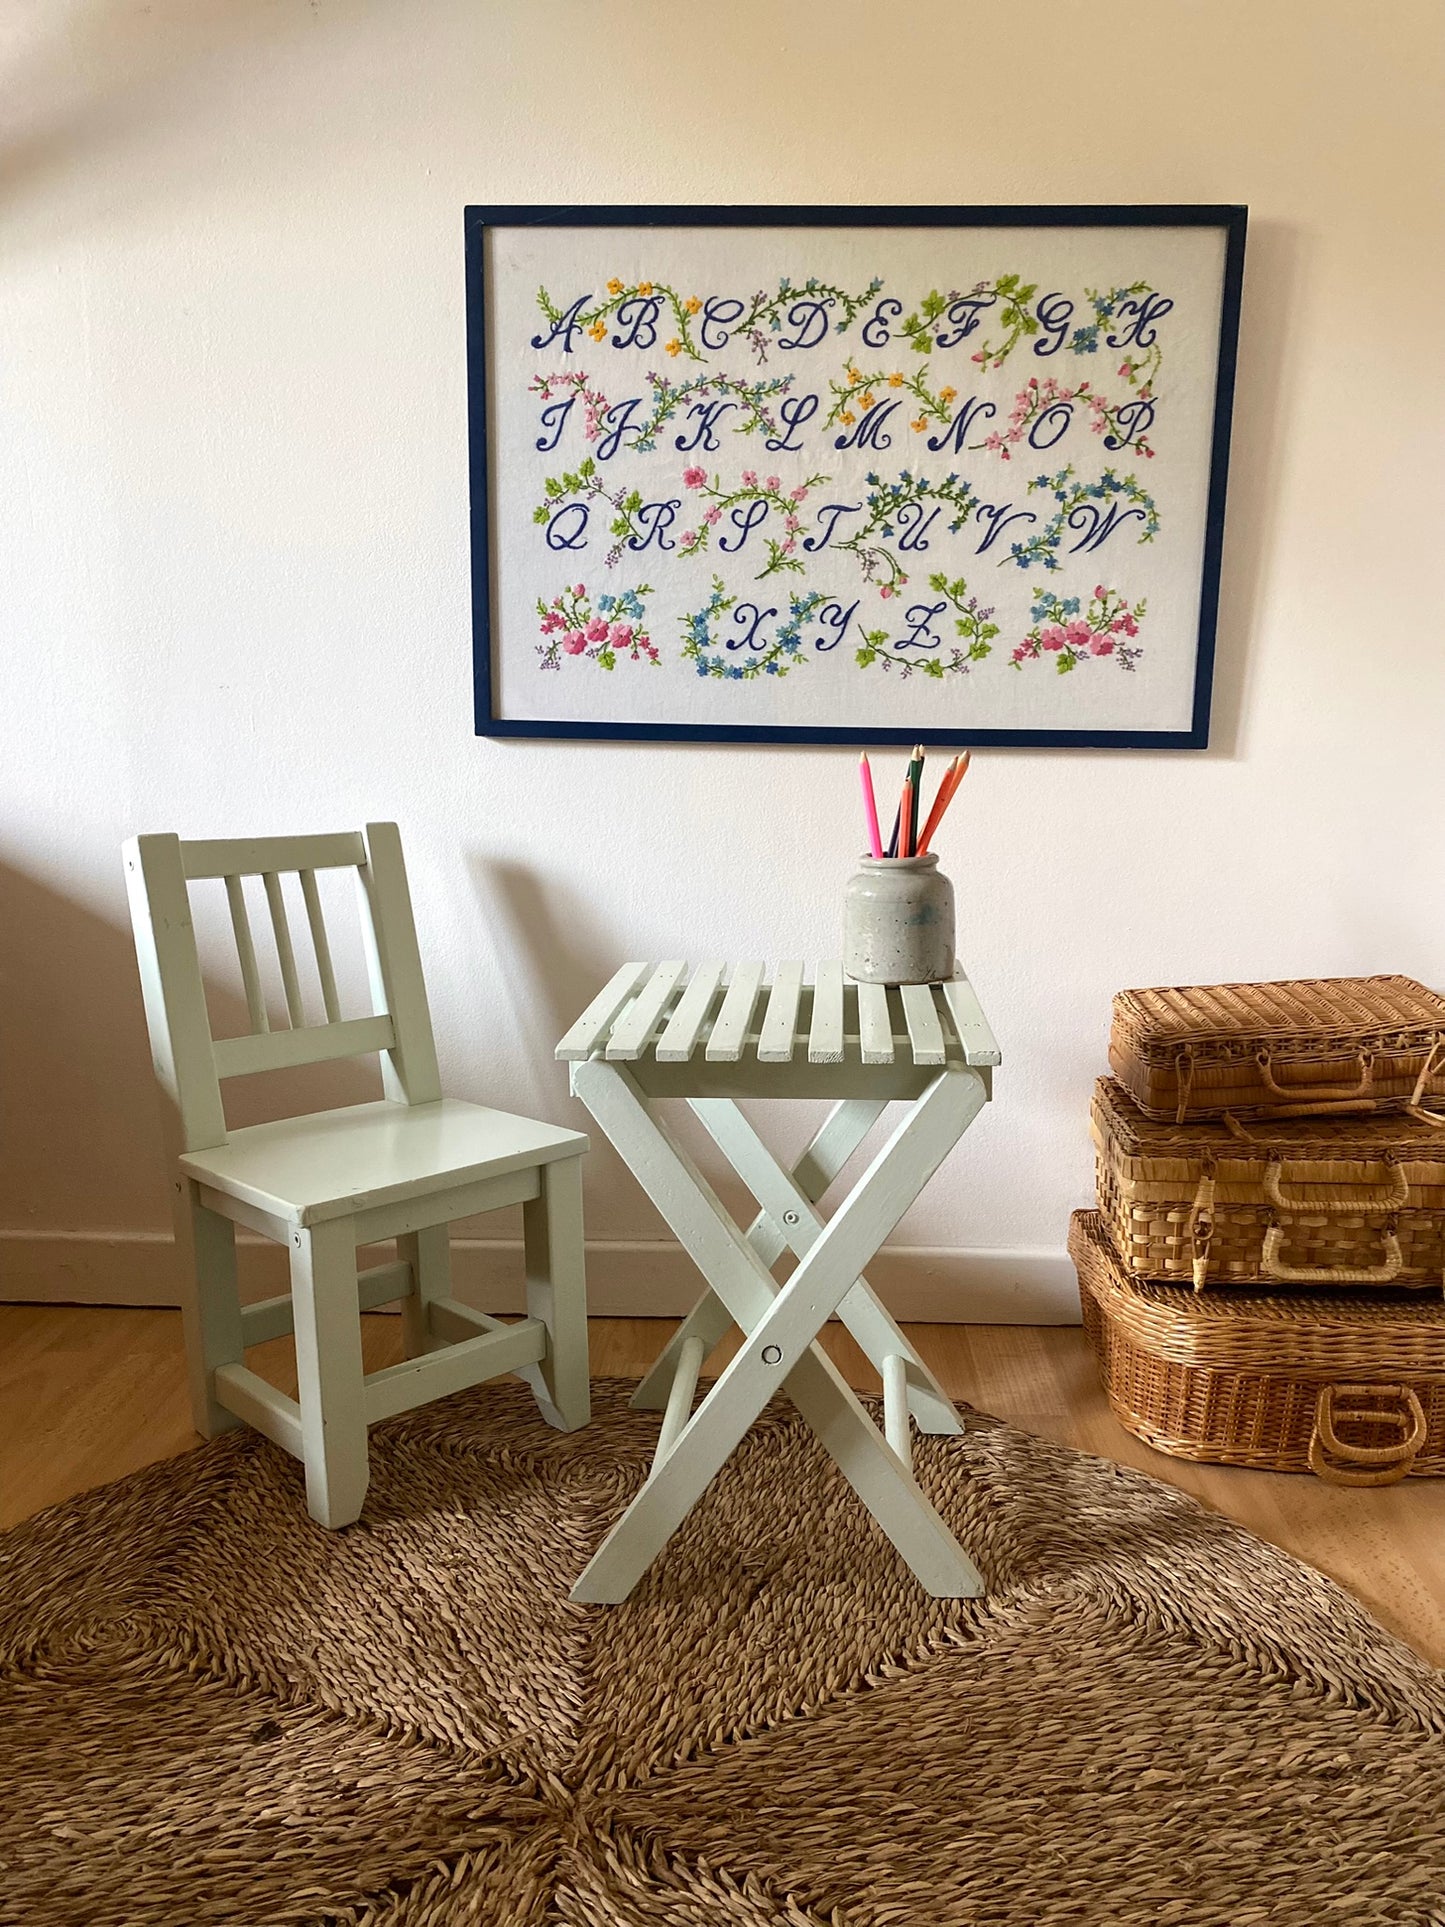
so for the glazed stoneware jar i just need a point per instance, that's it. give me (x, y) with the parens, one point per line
(898, 922)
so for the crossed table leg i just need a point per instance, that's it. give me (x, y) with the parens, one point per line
(781, 1323)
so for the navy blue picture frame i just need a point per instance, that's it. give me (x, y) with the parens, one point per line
(1232, 220)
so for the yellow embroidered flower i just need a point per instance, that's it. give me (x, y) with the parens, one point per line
(597, 330)
(895, 381)
(848, 417)
(865, 401)
(918, 426)
(614, 286)
(853, 374)
(673, 347)
(644, 287)
(946, 395)
(692, 304)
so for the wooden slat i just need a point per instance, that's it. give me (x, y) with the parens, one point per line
(895, 1406)
(453, 1322)
(255, 855)
(875, 1024)
(679, 1040)
(825, 1033)
(174, 989)
(632, 1030)
(251, 1398)
(438, 1374)
(925, 1033)
(734, 1019)
(780, 1020)
(246, 953)
(969, 1021)
(409, 1069)
(279, 1050)
(591, 1027)
(285, 955)
(320, 946)
(273, 1317)
(679, 1399)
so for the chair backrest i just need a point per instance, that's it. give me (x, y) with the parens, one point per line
(189, 1061)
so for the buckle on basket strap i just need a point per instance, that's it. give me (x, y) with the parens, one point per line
(1427, 1071)
(1200, 1226)
(1184, 1079)
(1395, 1405)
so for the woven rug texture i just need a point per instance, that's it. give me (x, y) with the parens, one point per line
(213, 1711)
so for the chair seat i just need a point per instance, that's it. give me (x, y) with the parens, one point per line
(309, 1169)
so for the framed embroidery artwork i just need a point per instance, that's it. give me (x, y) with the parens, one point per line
(850, 475)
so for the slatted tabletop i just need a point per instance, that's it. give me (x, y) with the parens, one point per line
(741, 1012)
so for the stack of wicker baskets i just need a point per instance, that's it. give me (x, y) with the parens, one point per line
(1262, 1277)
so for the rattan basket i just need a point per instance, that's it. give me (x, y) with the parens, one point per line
(1315, 1201)
(1351, 1388)
(1295, 1049)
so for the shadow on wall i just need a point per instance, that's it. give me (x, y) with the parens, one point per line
(81, 1127)
(1263, 396)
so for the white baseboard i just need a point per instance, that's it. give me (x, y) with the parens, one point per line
(625, 1279)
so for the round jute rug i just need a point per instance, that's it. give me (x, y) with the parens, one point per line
(211, 1710)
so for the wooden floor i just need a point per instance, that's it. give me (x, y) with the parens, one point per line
(87, 1395)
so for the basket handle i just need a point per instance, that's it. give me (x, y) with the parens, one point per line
(1388, 1463)
(1318, 1093)
(1274, 1191)
(1380, 1274)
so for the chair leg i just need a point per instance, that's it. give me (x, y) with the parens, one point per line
(557, 1294)
(329, 1371)
(210, 1304)
(429, 1254)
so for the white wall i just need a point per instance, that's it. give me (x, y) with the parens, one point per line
(233, 531)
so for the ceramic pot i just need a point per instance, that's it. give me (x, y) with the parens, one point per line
(898, 922)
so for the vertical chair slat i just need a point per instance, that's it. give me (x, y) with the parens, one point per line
(285, 956)
(246, 951)
(321, 947)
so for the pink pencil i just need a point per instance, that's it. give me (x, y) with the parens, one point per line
(870, 806)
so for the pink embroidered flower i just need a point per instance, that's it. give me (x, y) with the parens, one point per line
(1078, 632)
(1100, 591)
(980, 356)
(885, 591)
(1117, 624)
(1052, 636)
(552, 621)
(694, 477)
(620, 635)
(597, 630)
(1131, 627)
(791, 524)
(714, 514)
(574, 642)
(1101, 645)
(689, 538)
(581, 589)
(798, 495)
(750, 478)
(1126, 368)
(993, 441)
(775, 483)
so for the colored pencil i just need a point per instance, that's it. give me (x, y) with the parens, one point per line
(940, 804)
(907, 804)
(870, 806)
(947, 790)
(915, 781)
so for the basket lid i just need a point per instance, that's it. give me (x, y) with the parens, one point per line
(1315, 1006)
(1367, 1135)
(1347, 1336)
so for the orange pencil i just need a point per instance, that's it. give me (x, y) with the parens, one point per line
(905, 818)
(947, 789)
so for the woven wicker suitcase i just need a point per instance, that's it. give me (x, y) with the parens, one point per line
(1351, 1388)
(1296, 1049)
(1317, 1201)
